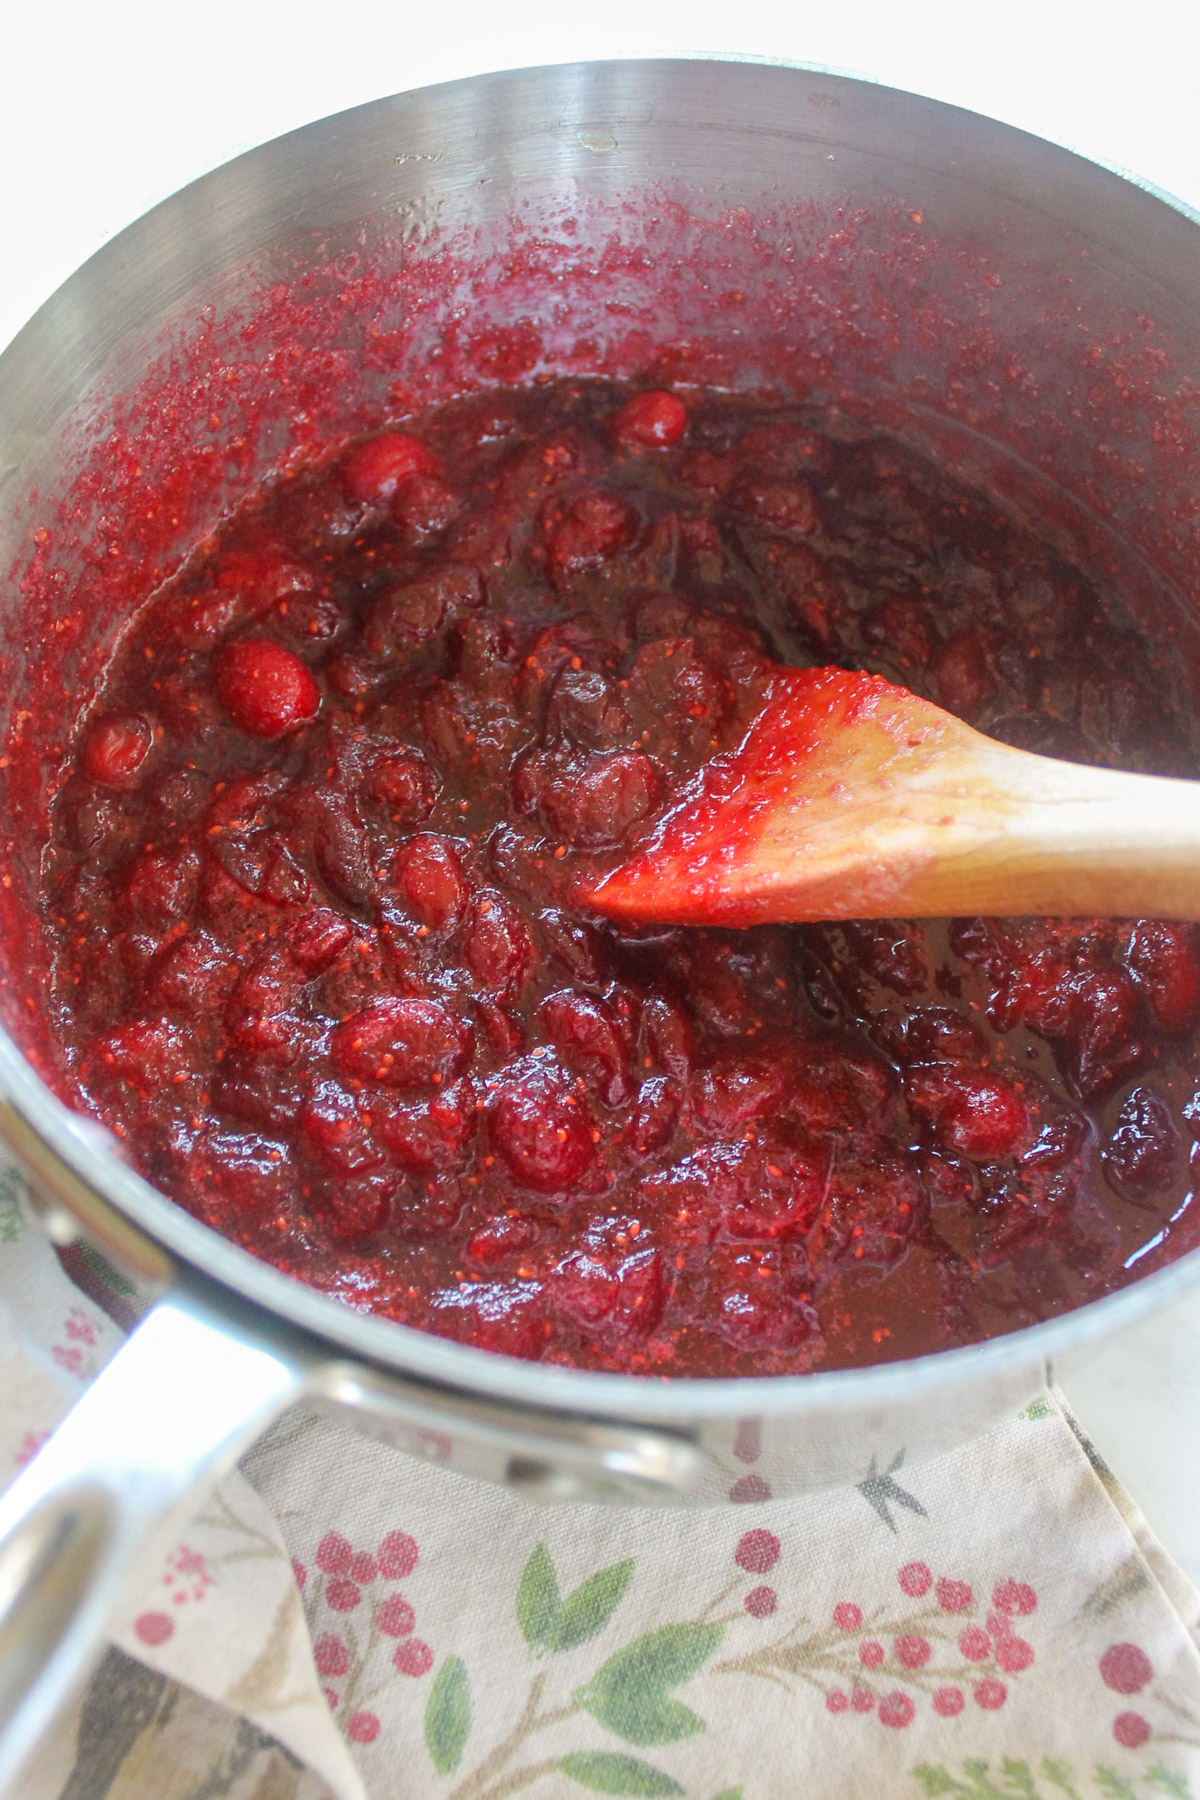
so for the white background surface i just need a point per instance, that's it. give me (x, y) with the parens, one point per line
(106, 109)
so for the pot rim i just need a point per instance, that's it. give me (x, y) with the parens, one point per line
(91, 1153)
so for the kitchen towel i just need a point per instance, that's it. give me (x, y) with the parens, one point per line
(340, 1622)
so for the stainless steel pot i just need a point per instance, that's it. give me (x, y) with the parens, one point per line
(996, 298)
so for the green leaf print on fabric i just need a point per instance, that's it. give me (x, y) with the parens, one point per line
(613, 1772)
(538, 1603)
(729, 1794)
(882, 1491)
(448, 1715)
(1052, 1780)
(1169, 1782)
(549, 1623)
(587, 1611)
(629, 1694)
(12, 1219)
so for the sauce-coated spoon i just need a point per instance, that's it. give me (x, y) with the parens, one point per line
(853, 799)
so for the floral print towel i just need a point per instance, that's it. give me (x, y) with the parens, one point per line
(342, 1623)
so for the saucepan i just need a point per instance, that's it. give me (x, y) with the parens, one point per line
(1031, 317)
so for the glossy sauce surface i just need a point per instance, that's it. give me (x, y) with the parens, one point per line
(320, 957)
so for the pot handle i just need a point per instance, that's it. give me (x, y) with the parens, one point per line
(102, 1500)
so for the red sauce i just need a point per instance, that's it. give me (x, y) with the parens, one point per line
(319, 957)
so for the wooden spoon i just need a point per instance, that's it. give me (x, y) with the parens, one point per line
(853, 799)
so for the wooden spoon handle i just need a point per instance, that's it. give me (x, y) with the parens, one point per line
(1019, 833)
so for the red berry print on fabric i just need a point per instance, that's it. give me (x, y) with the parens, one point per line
(990, 1694)
(363, 1568)
(896, 1710)
(915, 1578)
(395, 1617)
(911, 1651)
(1014, 1597)
(31, 1443)
(948, 1702)
(871, 1654)
(397, 1555)
(380, 1640)
(154, 1628)
(953, 1596)
(1125, 1668)
(757, 1552)
(300, 1574)
(847, 1616)
(187, 1575)
(331, 1655)
(975, 1644)
(862, 1700)
(1014, 1654)
(836, 1701)
(343, 1596)
(1131, 1730)
(761, 1602)
(334, 1553)
(750, 1490)
(414, 1657)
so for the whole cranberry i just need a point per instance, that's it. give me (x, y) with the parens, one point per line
(423, 506)
(598, 799)
(264, 688)
(1144, 1151)
(496, 946)
(540, 1127)
(115, 749)
(429, 875)
(1163, 961)
(594, 528)
(973, 1112)
(373, 471)
(402, 1043)
(651, 421)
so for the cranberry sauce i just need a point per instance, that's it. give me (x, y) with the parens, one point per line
(320, 963)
